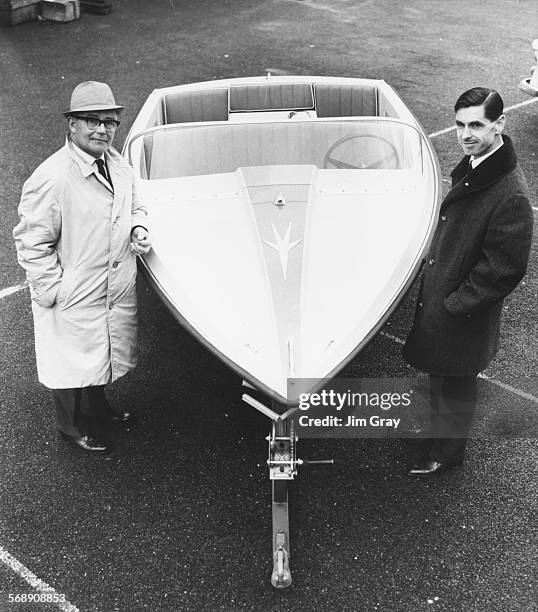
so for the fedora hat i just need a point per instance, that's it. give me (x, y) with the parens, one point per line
(92, 96)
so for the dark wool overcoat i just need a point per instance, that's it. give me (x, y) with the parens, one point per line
(478, 255)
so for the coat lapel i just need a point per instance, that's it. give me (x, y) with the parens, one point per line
(103, 181)
(87, 169)
(492, 169)
(118, 169)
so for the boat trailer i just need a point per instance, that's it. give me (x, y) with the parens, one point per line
(283, 463)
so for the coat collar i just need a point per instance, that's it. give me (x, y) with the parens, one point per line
(117, 166)
(112, 157)
(82, 163)
(492, 169)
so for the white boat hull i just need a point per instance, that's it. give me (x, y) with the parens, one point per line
(286, 270)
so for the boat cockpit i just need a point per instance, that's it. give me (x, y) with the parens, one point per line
(218, 130)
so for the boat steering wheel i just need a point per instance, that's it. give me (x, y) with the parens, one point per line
(382, 162)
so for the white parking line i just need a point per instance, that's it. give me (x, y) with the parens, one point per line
(508, 108)
(40, 586)
(441, 132)
(509, 388)
(5, 292)
(493, 381)
(391, 337)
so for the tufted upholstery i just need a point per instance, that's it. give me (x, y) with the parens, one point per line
(188, 106)
(277, 96)
(345, 100)
(329, 100)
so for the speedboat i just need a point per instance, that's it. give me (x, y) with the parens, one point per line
(289, 217)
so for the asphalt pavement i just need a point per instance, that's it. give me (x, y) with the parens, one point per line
(178, 518)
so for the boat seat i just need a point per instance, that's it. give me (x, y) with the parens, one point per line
(189, 106)
(271, 97)
(327, 99)
(345, 100)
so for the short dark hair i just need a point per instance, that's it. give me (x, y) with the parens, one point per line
(492, 101)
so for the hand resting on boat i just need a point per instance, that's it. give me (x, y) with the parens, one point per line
(140, 241)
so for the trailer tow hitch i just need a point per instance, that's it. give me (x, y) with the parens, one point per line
(282, 468)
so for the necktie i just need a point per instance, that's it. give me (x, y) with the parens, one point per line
(102, 169)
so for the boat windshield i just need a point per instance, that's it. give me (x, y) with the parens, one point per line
(204, 149)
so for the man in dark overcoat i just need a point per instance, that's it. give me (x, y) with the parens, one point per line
(478, 255)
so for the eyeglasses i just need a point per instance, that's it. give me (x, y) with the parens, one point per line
(94, 122)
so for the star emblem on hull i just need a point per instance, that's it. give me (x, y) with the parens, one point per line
(283, 246)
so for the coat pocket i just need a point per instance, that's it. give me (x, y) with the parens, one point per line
(67, 287)
(61, 295)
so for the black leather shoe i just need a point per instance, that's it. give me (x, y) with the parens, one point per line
(87, 443)
(431, 467)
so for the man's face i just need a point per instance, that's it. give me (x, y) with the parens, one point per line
(93, 141)
(476, 133)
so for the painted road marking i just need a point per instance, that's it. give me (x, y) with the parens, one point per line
(5, 292)
(391, 337)
(441, 132)
(528, 396)
(34, 581)
(493, 381)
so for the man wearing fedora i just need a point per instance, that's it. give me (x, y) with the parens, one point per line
(81, 227)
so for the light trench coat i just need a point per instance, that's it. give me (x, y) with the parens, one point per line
(73, 240)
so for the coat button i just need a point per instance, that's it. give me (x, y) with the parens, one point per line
(110, 306)
(443, 217)
(420, 304)
(115, 264)
(431, 261)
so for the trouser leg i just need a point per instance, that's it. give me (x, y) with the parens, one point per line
(423, 444)
(78, 410)
(453, 404)
(69, 418)
(97, 401)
